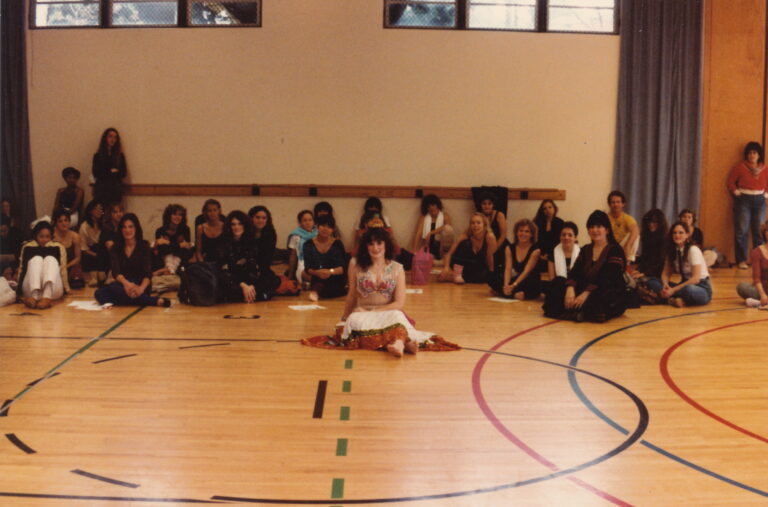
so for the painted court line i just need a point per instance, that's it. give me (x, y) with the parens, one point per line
(664, 367)
(592, 407)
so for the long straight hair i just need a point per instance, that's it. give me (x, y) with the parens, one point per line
(671, 247)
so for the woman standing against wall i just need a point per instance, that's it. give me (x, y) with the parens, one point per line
(109, 168)
(748, 182)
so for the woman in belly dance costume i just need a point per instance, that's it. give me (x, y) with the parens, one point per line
(373, 316)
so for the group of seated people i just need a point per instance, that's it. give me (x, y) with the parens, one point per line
(593, 282)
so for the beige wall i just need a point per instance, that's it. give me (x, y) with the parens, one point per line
(323, 94)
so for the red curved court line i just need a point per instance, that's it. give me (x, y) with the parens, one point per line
(483, 404)
(664, 367)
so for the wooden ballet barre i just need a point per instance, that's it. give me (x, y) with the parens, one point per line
(392, 191)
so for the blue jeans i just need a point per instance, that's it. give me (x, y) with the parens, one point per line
(748, 214)
(692, 295)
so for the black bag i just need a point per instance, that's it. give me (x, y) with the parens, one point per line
(201, 284)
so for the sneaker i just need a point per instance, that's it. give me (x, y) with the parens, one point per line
(743, 265)
(752, 303)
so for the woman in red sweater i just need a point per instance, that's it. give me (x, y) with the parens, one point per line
(748, 183)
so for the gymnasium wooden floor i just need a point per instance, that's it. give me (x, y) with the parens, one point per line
(193, 405)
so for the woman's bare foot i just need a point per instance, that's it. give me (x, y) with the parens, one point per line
(677, 302)
(29, 302)
(519, 295)
(412, 347)
(44, 304)
(313, 296)
(396, 348)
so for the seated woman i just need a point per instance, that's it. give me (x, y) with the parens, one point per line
(549, 225)
(324, 260)
(688, 217)
(374, 205)
(653, 236)
(565, 253)
(433, 228)
(265, 240)
(683, 258)
(756, 293)
(93, 255)
(42, 274)
(172, 240)
(110, 226)
(296, 239)
(131, 264)
(373, 317)
(71, 242)
(498, 224)
(208, 235)
(238, 258)
(595, 288)
(324, 208)
(520, 279)
(470, 259)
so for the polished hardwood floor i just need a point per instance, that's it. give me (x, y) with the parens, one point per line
(187, 405)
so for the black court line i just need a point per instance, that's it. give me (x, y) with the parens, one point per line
(322, 386)
(34, 382)
(5, 408)
(201, 346)
(18, 443)
(113, 358)
(104, 479)
(105, 498)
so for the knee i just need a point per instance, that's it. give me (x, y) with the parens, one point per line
(745, 290)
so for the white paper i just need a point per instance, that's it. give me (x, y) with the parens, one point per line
(414, 291)
(503, 300)
(304, 308)
(89, 305)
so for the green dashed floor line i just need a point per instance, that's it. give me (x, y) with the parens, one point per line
(337, 488)
(346, 386)
(348, 364)
(93, 341)
(341, 447)
(344, 414)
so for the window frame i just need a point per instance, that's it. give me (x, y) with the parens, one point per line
(183, 17)
(540, 22)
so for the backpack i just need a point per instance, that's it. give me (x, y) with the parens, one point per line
(421, 267)
(201, 284)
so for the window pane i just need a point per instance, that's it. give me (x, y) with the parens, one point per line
(143, 13)
(575, 19)
(503, 14)
(69, 14)
(224, 13)
(582, 3)
(424, 14)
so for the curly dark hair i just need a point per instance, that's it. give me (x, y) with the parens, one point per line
(170, 210)
(370, 236)
(754, 145)
(428, 200)
(243, 218)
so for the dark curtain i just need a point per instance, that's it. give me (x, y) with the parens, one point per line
(658, 137)
(15, 161)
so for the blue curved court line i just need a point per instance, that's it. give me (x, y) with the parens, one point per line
(586, 401)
